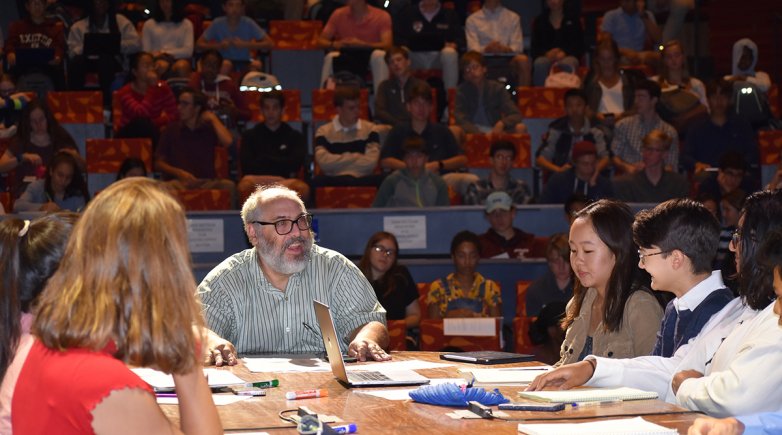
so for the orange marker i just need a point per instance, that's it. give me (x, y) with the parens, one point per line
(306, 394)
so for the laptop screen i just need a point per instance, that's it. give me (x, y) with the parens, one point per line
(330, 340)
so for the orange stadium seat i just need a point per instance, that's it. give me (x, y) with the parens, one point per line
(345, 196)
(204, 199)
(522, 342)
(540, 102)
(397, 331)
(434, 339)
(295, 34)
(770, 143)
(80, 113)
(105, 156)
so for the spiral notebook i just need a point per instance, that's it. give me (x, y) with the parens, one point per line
(589, 395)
(625, 426)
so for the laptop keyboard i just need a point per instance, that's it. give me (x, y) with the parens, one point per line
(368, 376)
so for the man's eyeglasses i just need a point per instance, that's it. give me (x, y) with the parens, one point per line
(387, 252)
(285, 226)
(643, 256)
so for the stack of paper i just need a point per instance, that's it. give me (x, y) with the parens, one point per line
(515, 376)
(589, 395)
(160, 381)
(626, 426)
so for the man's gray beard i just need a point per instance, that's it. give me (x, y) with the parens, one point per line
(278, 262)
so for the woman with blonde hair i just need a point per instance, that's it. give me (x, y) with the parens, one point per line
(123, 295)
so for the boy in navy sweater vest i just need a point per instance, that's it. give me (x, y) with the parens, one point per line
(677, 242)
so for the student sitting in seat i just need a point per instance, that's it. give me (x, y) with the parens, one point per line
(186, 153)
(63, 188)
(414, 185)
(347, 149)
(168, 36)
(502, 239)
(502, 155)
(483, 105)
(556, 285)
(465, 292)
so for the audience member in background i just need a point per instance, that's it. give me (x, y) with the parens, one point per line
(554, 155)
(394, 287)
(132, 167)
(414, 185)
(731, 175)
(723, 131)
(347, 149)
(29, 254)
(712, 203)
(168, 35)
(573, 204)
(762, 214)
(146, 102)
(445, 157)
(556, 284)
(745, 59)
(63, 188)
(546, 333)
(101, 18)
(11, 105)
(357, 26)
(730, 211)
(654, 183)
(223, 93)
(683, 99)
(40, 136)
(392, 93)
(631, 131)
(273, 151)
(465, 292)
(609, 92)
(611, 314)
(235, 35)
(495, 30)
(36, 32)
(582, 178)
(142, 314)
(631, 27)
(483, 105)
(502, 156)
(502, 239)
(186, 153)
(434, 36)
(677, 241)
(557, 39)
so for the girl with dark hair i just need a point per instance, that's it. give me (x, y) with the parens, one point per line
(29, 254)
(465, 292)
(395, 288)
(63, 188)
(610, 314)
(132, 167)
(168, 35)
(122, 295)
(609, 92)
(38, 139)
(146, 102)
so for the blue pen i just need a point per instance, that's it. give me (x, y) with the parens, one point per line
(347, 428)
(165, 394)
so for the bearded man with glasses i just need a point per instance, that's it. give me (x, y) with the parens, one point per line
(260, 300)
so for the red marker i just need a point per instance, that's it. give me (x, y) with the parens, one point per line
(306, 394)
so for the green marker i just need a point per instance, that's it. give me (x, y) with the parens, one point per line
(263, 384)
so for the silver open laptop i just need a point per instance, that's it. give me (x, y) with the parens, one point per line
(357, 378)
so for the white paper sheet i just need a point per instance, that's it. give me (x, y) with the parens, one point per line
(472, 327)
(218, 399)
(161, 381)
(506, 376)
(634, 426)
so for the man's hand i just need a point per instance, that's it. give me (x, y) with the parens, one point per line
(564, 167)
(362, 349)
(563, 378)
(50, 207)
(185, 176)
(461, 312)
(32, 158)
(682, 376)
(498, 128)
(218, 351)
(716, 426)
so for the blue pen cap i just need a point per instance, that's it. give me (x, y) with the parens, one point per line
(348, 428)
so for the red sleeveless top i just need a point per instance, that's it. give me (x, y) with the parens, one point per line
(57, 391)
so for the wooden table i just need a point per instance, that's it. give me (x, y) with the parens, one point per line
(376, 415)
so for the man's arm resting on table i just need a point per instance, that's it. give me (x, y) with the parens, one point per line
(369, 340)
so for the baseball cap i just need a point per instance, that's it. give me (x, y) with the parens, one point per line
(498, 200)
(583, 148)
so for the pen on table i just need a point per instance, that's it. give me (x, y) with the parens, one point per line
(595, 403)
(165, 394)
(345, 428)
(263, 384)
(527, 368)
(306, 394)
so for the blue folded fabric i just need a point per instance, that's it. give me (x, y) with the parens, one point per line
(455, 395)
